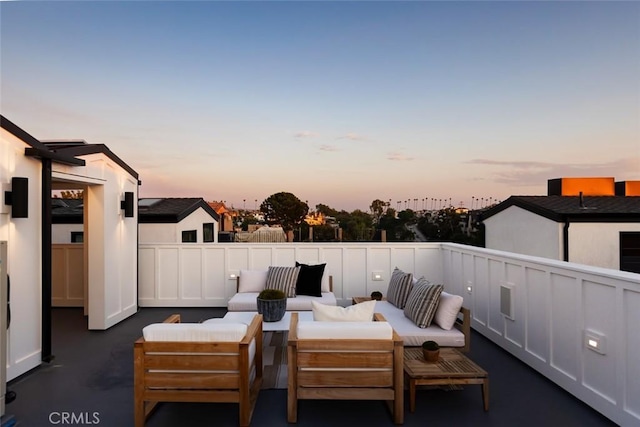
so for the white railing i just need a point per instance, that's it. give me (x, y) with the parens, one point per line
(556, 308)
(542, 311)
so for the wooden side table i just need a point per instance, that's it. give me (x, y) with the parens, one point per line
(452, 368)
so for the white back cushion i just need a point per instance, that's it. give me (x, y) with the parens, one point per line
(447, 311)
(252, 280)
(345, 330)
(362, 312)
(195, 332)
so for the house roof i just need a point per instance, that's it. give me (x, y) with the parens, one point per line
(171, 210)
(36, 148)
(219, 207)
(73, 148)
(570, 208)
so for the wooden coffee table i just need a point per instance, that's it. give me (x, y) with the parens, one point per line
(452, 368)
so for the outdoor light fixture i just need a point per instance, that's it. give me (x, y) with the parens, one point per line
(376, 276)
(469, 288)
(595, 341)
(127, 204)
(18, 197)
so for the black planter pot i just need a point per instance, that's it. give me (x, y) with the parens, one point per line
(272, 310)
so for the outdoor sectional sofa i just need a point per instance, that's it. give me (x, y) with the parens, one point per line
(420, 311)
(412, 335)
(251, 282)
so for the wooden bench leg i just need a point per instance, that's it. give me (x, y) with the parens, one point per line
(485, 394)
(412, 395)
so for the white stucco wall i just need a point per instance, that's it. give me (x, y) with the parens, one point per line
(112, 239)
(597, 244)
(520, 231)
(172, 233)
(112, 254)
(24, 258)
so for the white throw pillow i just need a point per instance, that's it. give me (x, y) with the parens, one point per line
(447, 311)
(362, 312)
(252, 280)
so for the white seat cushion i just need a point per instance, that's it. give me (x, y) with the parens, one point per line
(247, 302)
(412, 335)
(195, 332)
(345, 330)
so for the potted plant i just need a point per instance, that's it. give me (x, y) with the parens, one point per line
(376, 295)
(431, 351)
(272, 304)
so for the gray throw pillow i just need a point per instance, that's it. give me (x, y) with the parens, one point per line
(423, 302)
(283, 278)
(400, 286)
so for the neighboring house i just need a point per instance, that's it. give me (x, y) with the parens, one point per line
(174, 220)
(226, 219)
(30, 170)
(602, 231)
(263, 234)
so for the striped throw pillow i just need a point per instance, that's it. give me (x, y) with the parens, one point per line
(423, 302)
(399, 289)
(283, 278)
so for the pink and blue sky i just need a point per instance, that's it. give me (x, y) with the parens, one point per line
(339, 103)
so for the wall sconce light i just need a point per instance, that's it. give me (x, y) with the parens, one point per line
(469, 288)
(233, 275)
(18, 197)
(127, 204)
(376, 276)
(595, 341)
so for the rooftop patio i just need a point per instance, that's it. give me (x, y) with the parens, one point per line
(93, 373)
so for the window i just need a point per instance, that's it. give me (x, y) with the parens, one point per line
(630, 251)
(77, 237)
(189, 236)
(207, 232)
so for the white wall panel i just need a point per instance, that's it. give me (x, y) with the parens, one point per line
(147, 267)
(537, 312)
(168, 273)
(283, 254)
(354, 270)
(334, 257)
(191, 273)
(478, 299)
(630, 368)
(599, 372)
(215, 273)
(565, 333)
(514, 329)
(429, 263)
(496, 275)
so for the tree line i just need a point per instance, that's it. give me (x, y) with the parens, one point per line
(447, 224)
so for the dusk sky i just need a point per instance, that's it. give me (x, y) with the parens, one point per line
(339, 103)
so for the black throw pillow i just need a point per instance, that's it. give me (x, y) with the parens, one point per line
(310, 279)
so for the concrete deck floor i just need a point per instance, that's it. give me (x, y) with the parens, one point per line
(92, 377)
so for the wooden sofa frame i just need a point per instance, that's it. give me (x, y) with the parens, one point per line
(350, 369)
(229, 381)
(464, 325)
